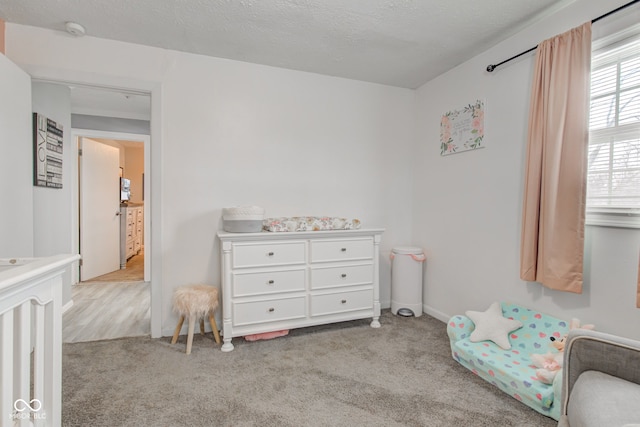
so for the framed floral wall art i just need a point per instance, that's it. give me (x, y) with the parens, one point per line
(463, 129)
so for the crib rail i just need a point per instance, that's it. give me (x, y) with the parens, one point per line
(31, 340)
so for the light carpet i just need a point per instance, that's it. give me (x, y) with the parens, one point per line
(345, 374)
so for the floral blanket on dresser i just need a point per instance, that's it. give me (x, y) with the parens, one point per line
(310, 223)
(513, 370)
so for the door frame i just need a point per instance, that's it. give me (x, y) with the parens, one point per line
(76, 134)
(73, 77)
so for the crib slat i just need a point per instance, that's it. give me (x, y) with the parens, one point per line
(6, 368)
(22, 359)
(38, 358)
(53, 354)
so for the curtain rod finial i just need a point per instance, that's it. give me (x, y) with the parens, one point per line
(490, 68)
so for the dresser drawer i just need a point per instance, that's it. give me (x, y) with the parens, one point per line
(340, 250)
(266, 254)
(327, 277)
(131, 248)
(256, 283)
(247, 313)
(340, 302)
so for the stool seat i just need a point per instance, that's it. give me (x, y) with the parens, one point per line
(195, 302)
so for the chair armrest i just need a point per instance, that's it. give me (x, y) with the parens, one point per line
(459, 327)
(587, 350)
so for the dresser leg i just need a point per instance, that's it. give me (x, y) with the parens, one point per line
(375, 323)
(227, 346)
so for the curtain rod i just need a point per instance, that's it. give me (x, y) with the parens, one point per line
(492, 67)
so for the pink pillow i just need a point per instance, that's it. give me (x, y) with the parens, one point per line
(266, 335)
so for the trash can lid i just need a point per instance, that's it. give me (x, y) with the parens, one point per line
(407, 250)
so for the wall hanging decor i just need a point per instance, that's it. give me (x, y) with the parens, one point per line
(463, 129)
(47, 152)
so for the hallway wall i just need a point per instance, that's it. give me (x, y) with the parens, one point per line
(52, 221)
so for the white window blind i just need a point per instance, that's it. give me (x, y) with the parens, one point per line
(613, 179)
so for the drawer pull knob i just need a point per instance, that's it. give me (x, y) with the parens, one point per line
(270, 254)
(271, 310)
(343, 249)
(343, 275)
(271, 282)
(344, 301)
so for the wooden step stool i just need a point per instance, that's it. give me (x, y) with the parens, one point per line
(195, 302)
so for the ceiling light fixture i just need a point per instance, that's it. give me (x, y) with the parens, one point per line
(75, 29)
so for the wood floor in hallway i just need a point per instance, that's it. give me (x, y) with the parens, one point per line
(114, 305)
(133, 273)
(107, 310)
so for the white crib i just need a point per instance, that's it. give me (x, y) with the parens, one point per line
(31, 340)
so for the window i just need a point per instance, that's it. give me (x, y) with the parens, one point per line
(613, 177)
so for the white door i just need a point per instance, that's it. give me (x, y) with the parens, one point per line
(99, 208)
(16, 158)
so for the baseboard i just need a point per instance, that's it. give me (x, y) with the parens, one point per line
(443, 317)
(67, 306)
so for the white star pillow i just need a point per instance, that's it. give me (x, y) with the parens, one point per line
(493, 326)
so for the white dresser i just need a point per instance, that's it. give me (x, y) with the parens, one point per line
(274, 281)
(131, 232)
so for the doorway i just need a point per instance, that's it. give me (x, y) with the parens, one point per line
(112, 297)
(152, 91)
(112, 221)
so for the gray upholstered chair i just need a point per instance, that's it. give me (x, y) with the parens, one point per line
(601, 380)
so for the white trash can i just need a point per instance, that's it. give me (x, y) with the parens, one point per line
(406, 281)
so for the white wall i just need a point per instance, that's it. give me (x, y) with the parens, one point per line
(237, 133)
(467, 207)
(52, 206)
(16, 158)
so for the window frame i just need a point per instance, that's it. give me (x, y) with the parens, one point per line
(613, 216)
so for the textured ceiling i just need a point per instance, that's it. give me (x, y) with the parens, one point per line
(400, 43)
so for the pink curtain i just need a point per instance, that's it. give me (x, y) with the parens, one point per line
(552, 244)
(2, 30)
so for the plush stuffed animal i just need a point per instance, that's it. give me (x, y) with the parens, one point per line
(550, 364)
(575, 324)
